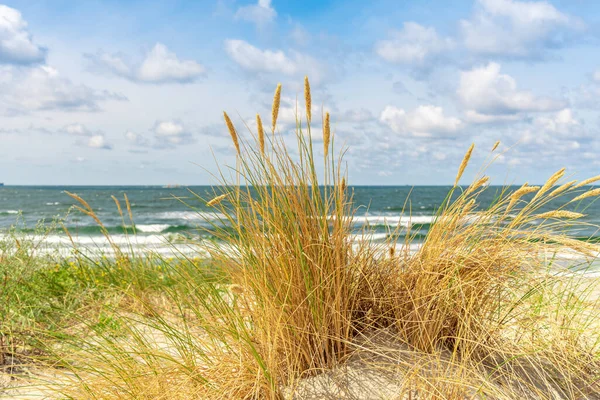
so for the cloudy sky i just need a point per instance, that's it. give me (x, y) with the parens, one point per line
(132, 92)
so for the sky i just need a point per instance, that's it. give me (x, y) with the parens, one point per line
(132, 92)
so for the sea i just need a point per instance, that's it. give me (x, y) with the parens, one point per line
(172, 219)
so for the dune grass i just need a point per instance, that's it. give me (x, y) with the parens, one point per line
(292, 304)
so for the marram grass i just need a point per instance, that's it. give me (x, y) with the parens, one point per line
(298, 307)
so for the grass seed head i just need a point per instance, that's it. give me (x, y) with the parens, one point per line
(479, 183)
(232, 132)
(550, 182)
(522, 191)
(464, 163)
(560, 214)
(589, 193)
(561, 188)
(275, 108)
(217, 200)
(261, 134)
(587, 181)
(496, 145)
(307, 98)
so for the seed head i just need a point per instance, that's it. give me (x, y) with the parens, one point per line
(464, 163)
(587, 181)
(307, 98)
(550, 182)
(589, 193)
(217, 200)
(275, 109)
(232, 132)
(496, 145)
(261, 134)
(326, 134)
(560, 214)
(522, 191)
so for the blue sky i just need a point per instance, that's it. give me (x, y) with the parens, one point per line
(132, 92)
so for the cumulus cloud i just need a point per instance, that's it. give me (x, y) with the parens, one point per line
(136, 139)
(159, 65)
(171, 133)
(560, 124)
(43, 88)
(259, 61)
(260, 13)
(16, 43)
(490, 94)
(86, 137)
(424, 121)
(517, 29)
(98, 142)
(415, 45)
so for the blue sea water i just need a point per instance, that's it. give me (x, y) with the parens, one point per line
(161, 213)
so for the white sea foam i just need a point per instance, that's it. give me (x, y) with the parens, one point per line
(393, 220)
(53, 204)
(152, 228)
(9, 212)
(190, 215)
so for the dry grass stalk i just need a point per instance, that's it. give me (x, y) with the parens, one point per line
(589, 193)
(232, 132)
(560, 214)
(326, 134)
(275, 108)
(261, 134)
(307, 99)
(463, 164)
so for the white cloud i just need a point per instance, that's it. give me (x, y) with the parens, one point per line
(77, 130)
(43, 88)
(424, 121)
(474, 117)
(136, 139)
(98, 142)
(414, 44)
(259, 61)
(85, 137)
(171, 133)
(596, 75)
(158, 66)
(560, 124)
(485, 90)
(16, 43)
(260, 13)
(517, 29)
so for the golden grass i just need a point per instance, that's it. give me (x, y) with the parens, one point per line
(484, 308)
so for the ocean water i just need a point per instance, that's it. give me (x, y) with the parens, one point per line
(166, 217)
